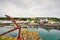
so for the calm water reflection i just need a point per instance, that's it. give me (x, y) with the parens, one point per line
(51, 35)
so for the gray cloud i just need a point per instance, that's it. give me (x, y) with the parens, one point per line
(30, 8)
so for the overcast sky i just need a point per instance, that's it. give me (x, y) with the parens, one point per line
(30, 8)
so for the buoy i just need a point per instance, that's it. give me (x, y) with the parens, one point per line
(19, 38)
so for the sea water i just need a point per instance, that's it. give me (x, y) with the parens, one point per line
(43, 33)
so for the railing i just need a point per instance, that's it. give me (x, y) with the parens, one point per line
(18, 27)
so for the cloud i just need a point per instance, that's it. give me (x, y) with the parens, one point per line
(31, 8)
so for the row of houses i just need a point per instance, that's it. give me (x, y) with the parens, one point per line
(17, 21)
(46, 21)
(39, 20)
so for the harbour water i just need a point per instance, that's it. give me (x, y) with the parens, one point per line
(51, 34)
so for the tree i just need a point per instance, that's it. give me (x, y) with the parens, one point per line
(53, 19)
